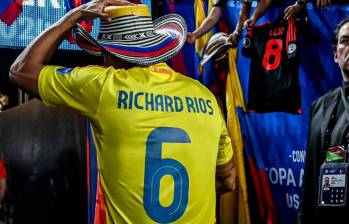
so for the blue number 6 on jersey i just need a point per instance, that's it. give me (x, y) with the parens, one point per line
(156, 168)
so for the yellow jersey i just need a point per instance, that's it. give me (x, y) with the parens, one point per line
(159, 136)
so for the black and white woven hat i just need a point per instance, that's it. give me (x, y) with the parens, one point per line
(216, 48)
(133, 36)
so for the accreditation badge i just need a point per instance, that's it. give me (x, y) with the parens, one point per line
(333, 184)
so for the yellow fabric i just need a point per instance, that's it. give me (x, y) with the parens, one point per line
(235, 98)
(210, 4)
(132, 113)
(234, 82)
(200, 16)
(133, 10)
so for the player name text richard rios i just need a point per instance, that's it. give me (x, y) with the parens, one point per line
(165, 103)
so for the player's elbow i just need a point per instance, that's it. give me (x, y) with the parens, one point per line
(25, 75)
(15, 72)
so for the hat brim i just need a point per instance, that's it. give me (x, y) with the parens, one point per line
(170, 30)
(206, 57)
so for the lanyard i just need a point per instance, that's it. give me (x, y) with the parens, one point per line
(346, 104)
(329, 129)
(332, 122)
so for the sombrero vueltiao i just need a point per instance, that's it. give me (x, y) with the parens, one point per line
(216, 48)
(133, 36)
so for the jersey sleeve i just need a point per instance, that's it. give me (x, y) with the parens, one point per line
(225, 151)
(77, 88)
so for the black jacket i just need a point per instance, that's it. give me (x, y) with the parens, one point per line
(321, 111)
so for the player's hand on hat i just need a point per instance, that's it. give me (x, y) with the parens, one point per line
(191, 38)
(292, 11)
(95, 8)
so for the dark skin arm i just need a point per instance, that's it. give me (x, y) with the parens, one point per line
(262, 7)
(225, 177)
(206, 25)
(26, 69)
(244, 13)
(323, 3)
(293, 10)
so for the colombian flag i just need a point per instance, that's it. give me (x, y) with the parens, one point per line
(10, 10)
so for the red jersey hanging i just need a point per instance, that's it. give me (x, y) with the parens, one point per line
(273, 81)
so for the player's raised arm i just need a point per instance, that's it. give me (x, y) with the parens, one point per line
(26, 68)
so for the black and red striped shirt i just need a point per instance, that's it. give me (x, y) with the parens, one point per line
(273, 79)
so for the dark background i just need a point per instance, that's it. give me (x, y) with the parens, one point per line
(44, 151)
(61, 57)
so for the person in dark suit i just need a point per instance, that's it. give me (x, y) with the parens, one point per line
(329, 127)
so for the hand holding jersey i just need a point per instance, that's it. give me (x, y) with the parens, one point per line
(293, 10)
(258, 12)
(323, 4)
(206, 25)
(273, 82)
(159, 135)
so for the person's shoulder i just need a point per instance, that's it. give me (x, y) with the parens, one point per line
(195, 84)
(90, 72)
(80, 76)
(191, 85)
(328, 96)
(92, 69)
